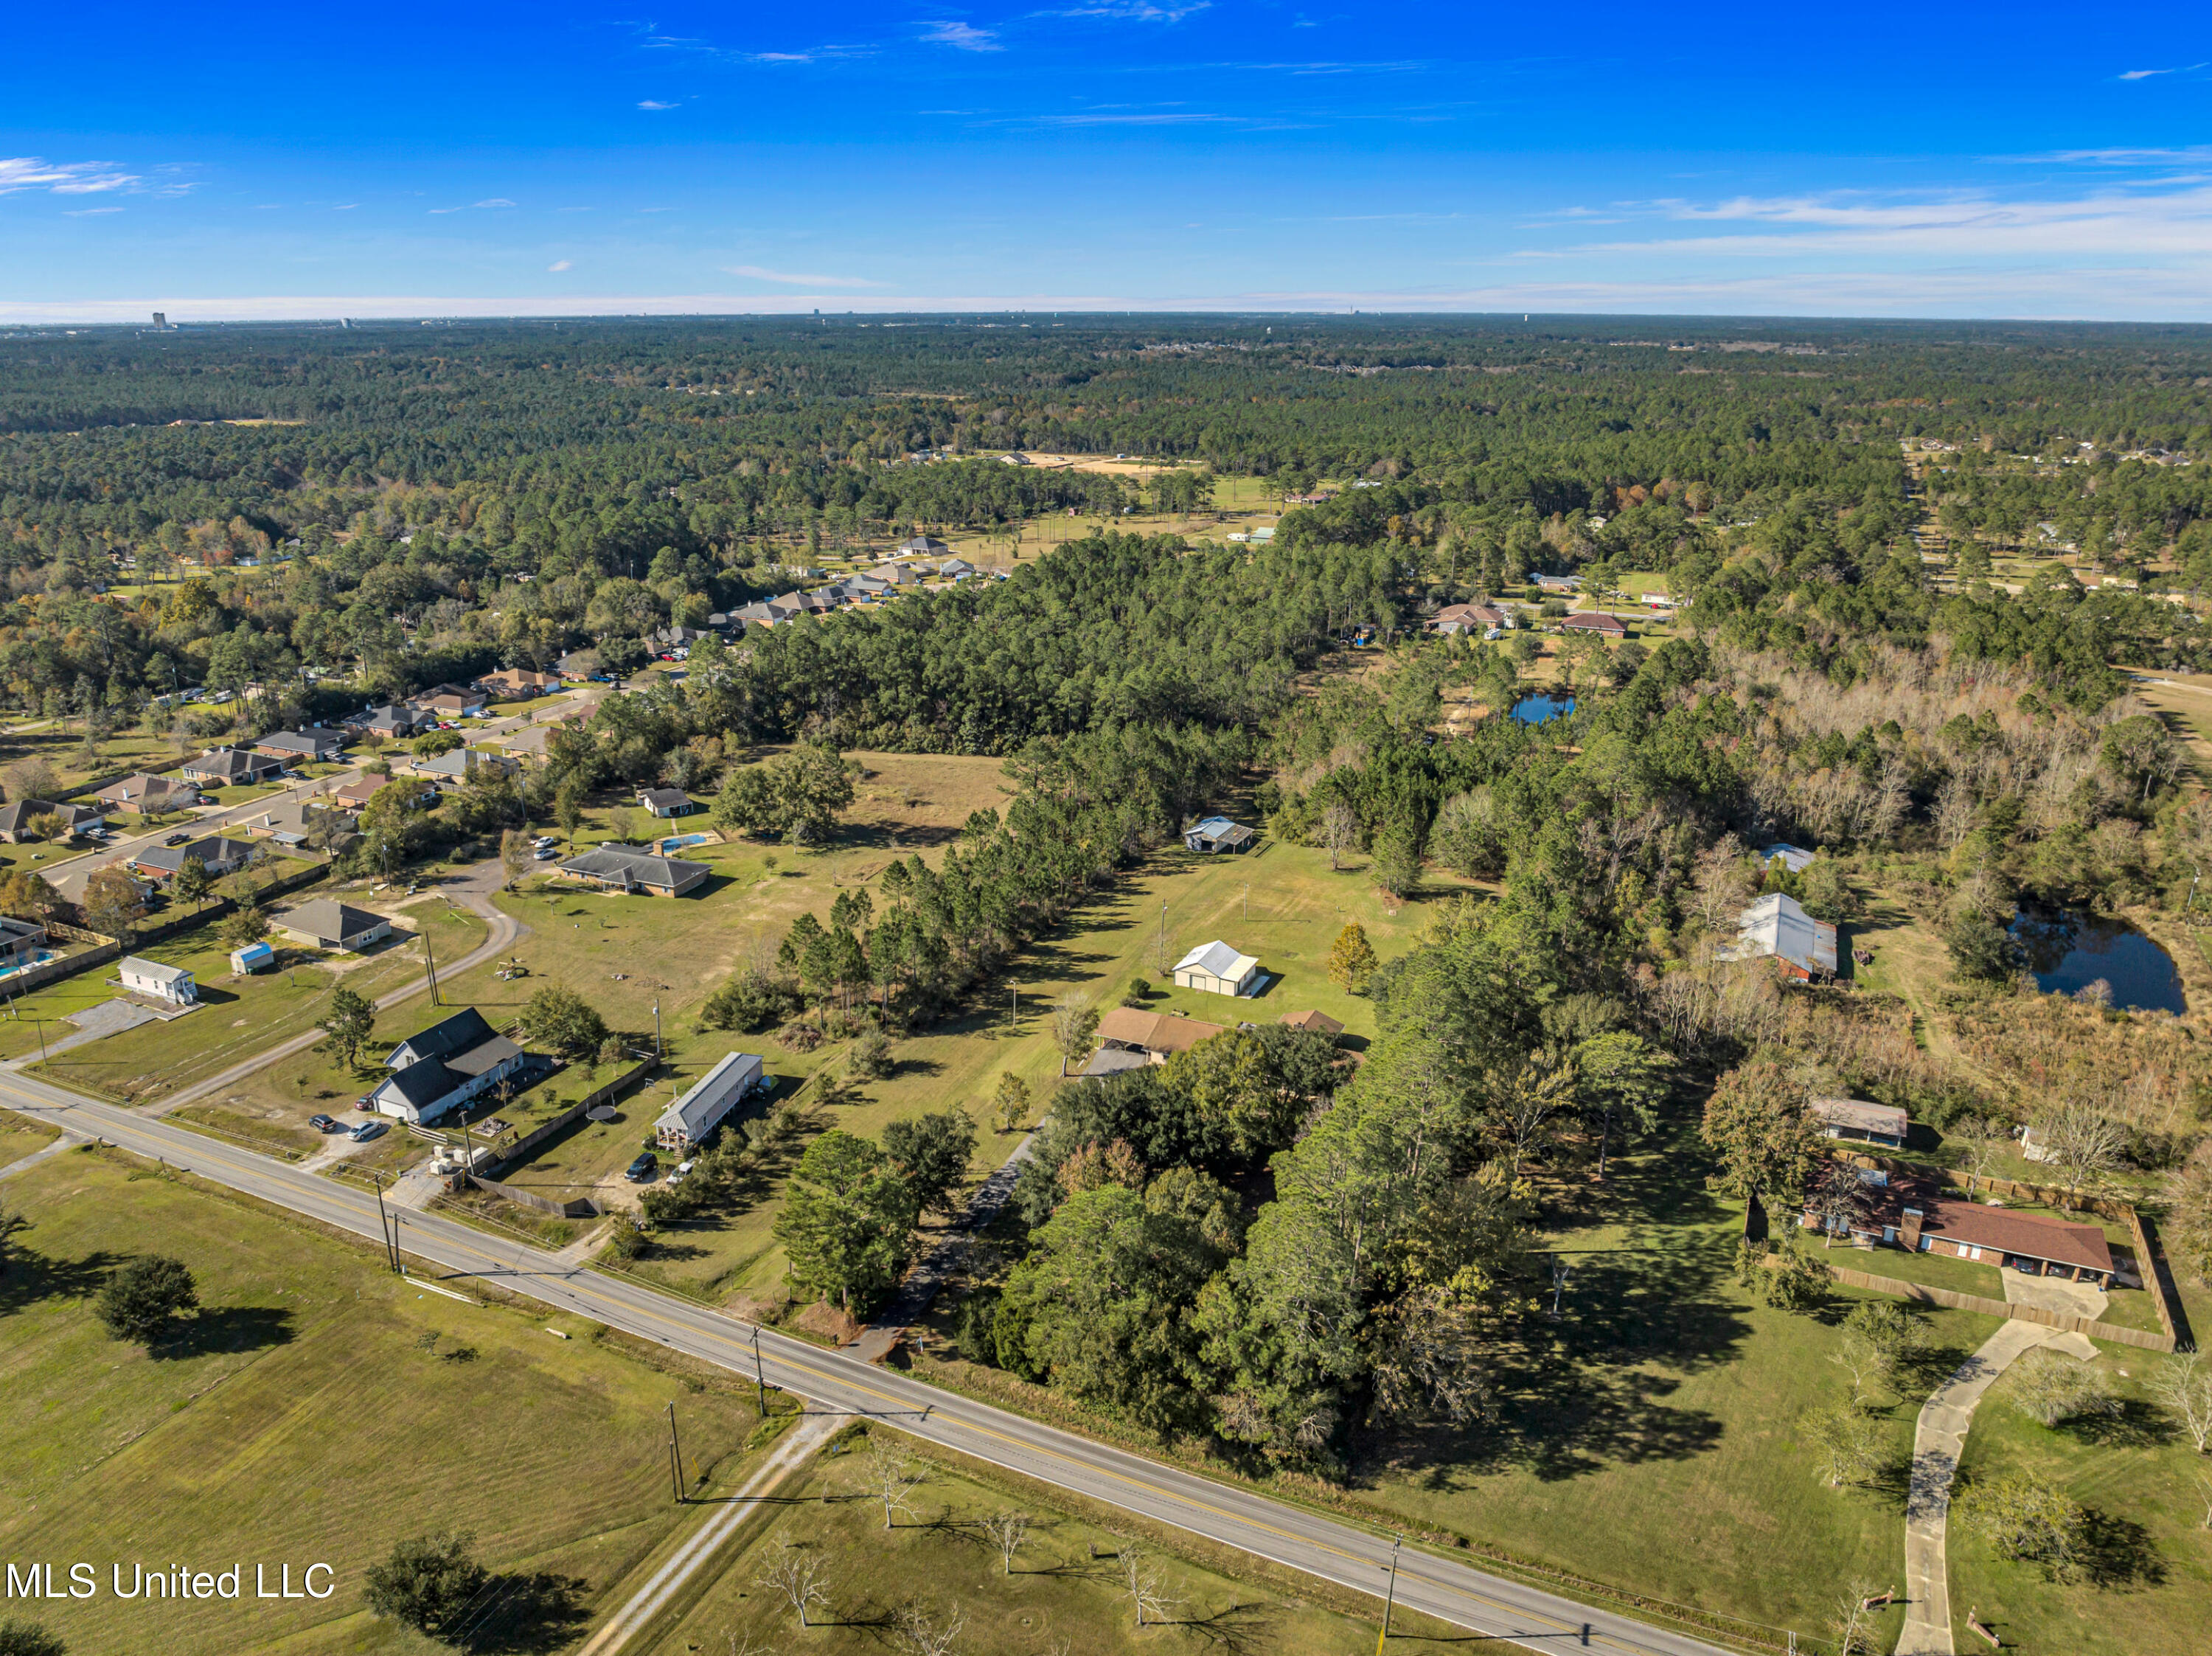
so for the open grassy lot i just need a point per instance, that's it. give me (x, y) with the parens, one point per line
(1651, 1439)
(317, 1409)
(20, 1136)
(2147, 1586)
(237, 1015)
(1066, 1593)
(1282, 904)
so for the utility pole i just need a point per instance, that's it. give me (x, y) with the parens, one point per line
(391, 1247)
(675, 1455)
(656, 1029)
(430, 959)
(1390, 1601)
(760, 1377)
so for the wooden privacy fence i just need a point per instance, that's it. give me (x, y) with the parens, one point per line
(2150, 1264)
(1988, 1307)
(576, 1207)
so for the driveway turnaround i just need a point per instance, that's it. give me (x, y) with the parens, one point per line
(1492, 1606)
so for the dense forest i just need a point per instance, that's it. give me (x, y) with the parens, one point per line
(1257, 1242)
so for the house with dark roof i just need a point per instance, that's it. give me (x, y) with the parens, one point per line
(666, 802)
(443, 1067)
(326, 923)
(920, 546)
(217, 855)
(394, 724)
(142, 790)
(448, 700)
(17, 815)
(1313, 1023)
(1913, 1214)
(624, 868)
(458, 764)
(1598, 622)
(227, 766)
(22, 942)
(309, 746)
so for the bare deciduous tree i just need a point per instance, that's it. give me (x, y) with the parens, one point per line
(2183, 1385)
(920, 1634)
(1850, 1619)
(1980, 1138)
(1339, 831)
(1141, 1583)
(892, 1475)
(1721, 884)
(798, 1577)
(1954, 811)
(1008, 1529)
(2082, 1142)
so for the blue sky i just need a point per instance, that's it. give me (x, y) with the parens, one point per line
(242, 160)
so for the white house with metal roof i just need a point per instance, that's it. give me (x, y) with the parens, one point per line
(686, 1123)
(1218, 969)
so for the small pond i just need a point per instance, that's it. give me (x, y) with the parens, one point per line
(1537, 708)
(2069, 952)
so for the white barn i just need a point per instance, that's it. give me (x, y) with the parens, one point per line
(1218, 969)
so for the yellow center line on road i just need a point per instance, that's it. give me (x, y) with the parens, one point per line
(647, 1317)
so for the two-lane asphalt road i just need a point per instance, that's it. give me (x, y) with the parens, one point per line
(1490, 1605)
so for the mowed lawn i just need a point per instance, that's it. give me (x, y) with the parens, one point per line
(2148, 1587)
(1652, 1438)
(1282, 904)
(1066, 1593)
(238, 1015)
(22, 1135)
(318, 1409)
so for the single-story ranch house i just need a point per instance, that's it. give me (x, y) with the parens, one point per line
(1910, 1214)
(624, 867)
(1864, 1123)
(326, 923)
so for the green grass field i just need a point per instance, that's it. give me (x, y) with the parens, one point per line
(237, 1017)
(22, 1135)
(1282, 904)
(318, 1409)
(2148, 1587)
(1066, 1593)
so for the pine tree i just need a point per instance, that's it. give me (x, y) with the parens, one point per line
(1353, 959)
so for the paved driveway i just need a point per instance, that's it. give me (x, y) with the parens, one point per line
(2054, 1294)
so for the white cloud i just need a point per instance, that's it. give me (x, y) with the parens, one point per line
(653, 103)
(90, 212)
(2104, 226)
(2146, 74)
(1130, 11)
(495, 201)
(964, 37)
(793, 279)
(63, 178)
(561, 264)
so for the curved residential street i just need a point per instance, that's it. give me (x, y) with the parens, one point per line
(1491, 1606)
